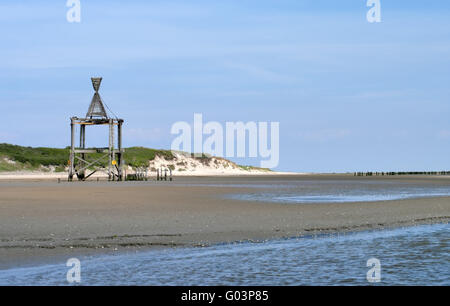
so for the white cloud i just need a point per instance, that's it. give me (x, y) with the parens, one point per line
(7, 137)
(325, 135)
(262, 73)
(143, 135)
(444, 134)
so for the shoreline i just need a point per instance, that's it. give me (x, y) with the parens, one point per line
(62, 257)
(45, 221)
(42, 176)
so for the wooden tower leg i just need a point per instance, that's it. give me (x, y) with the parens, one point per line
(111, 150)
(72, 150)
(82, 173)
(120, 154)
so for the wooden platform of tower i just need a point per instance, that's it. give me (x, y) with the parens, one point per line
(84, 162)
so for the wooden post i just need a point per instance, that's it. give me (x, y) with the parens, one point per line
(82, 146)
(72, 149)
(111, 149)
(120, 154)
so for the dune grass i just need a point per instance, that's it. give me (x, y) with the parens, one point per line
(19, 158)
(29, 158)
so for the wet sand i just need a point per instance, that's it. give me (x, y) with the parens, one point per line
(45, 221)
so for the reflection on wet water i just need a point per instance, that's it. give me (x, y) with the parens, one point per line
(409, 256)
(341, 191)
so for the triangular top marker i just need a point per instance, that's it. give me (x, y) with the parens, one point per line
(96, 109)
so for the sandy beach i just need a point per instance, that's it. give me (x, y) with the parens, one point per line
(43, 220)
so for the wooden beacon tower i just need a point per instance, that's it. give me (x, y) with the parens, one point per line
(79, 161)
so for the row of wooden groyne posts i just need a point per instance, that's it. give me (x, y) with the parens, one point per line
(401, 173)
(143, 174)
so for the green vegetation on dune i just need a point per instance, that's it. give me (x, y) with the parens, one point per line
(7, 167)
(34, 157)
(249, 168)
(139, 156)
(28, 158)
(19, 158)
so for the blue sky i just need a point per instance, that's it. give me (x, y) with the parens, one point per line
(349, 95)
